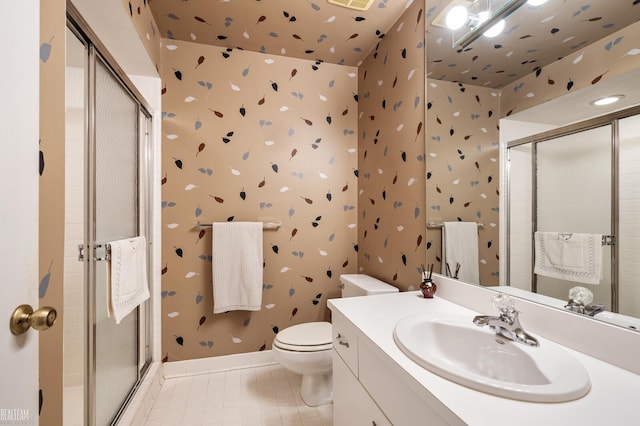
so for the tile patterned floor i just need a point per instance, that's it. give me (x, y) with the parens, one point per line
(266, 395)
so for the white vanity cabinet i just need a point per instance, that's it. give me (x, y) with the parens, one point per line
(365, 390)
(374, 381)
(352, 405)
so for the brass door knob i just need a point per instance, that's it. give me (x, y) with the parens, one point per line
(24, 317)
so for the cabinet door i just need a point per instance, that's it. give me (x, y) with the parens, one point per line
(352, 405)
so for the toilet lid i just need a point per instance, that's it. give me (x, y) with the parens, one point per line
(307, 337)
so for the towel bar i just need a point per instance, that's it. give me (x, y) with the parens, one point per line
(100, 252)
(608, 240)
(440, 224)
(265, 225)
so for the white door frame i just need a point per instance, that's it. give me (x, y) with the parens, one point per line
(19, 115)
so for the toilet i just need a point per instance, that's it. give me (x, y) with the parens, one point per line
(306, 348)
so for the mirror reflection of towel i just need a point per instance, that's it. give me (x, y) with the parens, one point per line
(460, 246)
(569, 256)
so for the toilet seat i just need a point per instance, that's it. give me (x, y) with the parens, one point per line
(306, 337)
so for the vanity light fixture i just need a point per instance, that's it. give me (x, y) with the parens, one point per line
(495, 30)
(489, 23)
(607, 100)
(457, 17)
(535, 3)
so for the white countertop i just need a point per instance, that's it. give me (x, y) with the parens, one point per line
(612, 400)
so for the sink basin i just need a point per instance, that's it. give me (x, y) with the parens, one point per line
(456, 349)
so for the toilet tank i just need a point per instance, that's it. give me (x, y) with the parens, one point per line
(364, 285)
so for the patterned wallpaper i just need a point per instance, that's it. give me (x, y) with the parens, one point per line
(145, 25)
(310, 29)
(391, 160)
(463, 167)
(534, 37)
(612, 56)
(246, 137)
(51, 233)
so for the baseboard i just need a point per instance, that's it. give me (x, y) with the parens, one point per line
(216, 364)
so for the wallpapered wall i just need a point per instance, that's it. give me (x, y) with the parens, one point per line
(610, 57)
(391, 161)
(51, 168)
(463, 167)
(145, 25)
(247, 137)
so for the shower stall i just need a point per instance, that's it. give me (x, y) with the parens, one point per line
(582, 178)
(107, 153)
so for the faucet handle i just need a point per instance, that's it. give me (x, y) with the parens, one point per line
(581, 294)
(504, 303)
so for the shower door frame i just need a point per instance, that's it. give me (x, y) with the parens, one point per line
(611, 119)
(144, 153)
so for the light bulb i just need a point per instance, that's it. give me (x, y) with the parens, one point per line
(496, 29)
(483, 16)
(457, 17)
(536, 2)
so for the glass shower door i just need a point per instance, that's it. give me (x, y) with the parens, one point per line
(75, 277)
(115, 212)
(573, 180)
(629, 212)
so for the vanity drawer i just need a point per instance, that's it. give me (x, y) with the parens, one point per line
(345, 342)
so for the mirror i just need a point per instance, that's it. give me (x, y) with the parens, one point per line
(516, 85)
(565, 182)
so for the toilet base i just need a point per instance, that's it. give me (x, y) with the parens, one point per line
(317, 389)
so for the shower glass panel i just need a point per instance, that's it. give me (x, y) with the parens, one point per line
(74, 365)
(116, 217)
(629, 212)
(573, 179)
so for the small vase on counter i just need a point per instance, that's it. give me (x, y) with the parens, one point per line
(428, 288)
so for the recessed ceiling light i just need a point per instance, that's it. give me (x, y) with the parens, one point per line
(457, 17)
(608, 100)
(536, 2)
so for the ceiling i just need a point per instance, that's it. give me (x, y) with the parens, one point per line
(533, 37)
(317, 30)
(306, 29)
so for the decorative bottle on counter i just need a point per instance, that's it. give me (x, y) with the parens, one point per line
(428, 288)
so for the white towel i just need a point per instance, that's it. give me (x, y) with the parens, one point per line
(460, 246)
(127, 285)
(237, 266)
(569, 256)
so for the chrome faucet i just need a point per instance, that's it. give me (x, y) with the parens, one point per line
(580, 300)
(591, 309)
(507, 323)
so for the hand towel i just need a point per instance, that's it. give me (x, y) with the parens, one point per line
(460, 246)
(127, 285)
(569, 256)
(237, 266)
